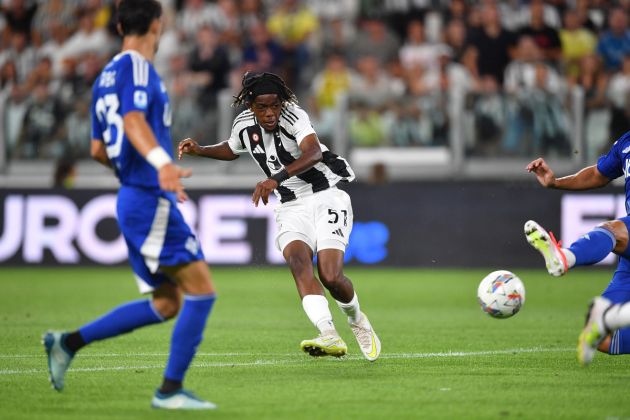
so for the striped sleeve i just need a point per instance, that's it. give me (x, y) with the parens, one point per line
(236, 140)
(132, 84)
(302, 126)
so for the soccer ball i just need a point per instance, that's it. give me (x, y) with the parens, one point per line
(501, 294)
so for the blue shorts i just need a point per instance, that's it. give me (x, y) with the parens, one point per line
(618, 289)
(156, 234)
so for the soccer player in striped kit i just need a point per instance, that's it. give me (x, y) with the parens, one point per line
(131, 117)
(314, 217)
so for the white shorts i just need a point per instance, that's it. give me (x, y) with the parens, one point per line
(322, 220)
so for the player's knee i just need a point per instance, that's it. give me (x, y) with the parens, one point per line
(193, 278)
(618, 229)
(167, 306)
(331, 276)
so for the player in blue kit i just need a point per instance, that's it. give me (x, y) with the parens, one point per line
(130, 134)
(607, 316)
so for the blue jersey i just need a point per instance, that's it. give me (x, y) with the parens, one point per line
(153, 227)
(130, 83)
(617, 163)
(613, 165)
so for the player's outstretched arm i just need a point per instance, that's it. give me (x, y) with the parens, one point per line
(311, 155)
(143, 140)
(585, 179)
(221, 151)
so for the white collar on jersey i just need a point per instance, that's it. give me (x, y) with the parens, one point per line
(132, 52)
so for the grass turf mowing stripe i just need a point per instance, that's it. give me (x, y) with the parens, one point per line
(287, 362)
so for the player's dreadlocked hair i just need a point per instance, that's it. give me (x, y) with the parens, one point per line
(255, 84)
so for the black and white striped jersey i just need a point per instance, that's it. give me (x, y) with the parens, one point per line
(274, 150)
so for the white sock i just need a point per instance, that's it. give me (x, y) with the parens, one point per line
(351, 309)
(618, 316)
(316, 308)
(570, 256)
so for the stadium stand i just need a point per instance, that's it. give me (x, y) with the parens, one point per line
(405, 89)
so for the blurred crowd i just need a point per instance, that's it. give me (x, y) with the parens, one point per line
(399, 69)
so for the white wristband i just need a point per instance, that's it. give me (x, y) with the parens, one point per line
(158, 157)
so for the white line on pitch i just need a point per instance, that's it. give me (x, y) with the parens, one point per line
(301, 361)
(385, 355)
(472, 353)
(98, 355)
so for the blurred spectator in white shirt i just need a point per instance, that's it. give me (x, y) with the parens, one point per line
(520, 74)
(450, 76)
(417, 51)
(537, 118)
(172, 42)
(194, 15)
(338, 25)
(52, 13)
(374, 85)
(21, 53)
(12, 117)
(619, 95)
(516, 15)
(53, 47)
(87, 39)
(328, 10)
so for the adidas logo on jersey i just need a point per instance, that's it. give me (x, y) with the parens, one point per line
(338, 232)
(258, 150)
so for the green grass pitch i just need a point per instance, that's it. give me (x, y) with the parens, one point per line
(442, 357)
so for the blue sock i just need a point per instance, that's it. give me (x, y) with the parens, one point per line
(187, 334)
(121, 320)
(593, 247)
